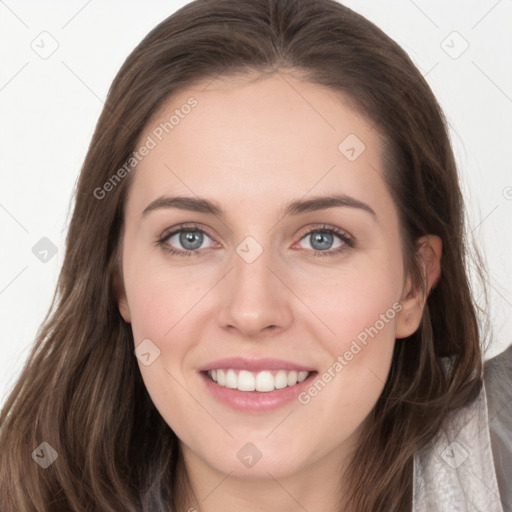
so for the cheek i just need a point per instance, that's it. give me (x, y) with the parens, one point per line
(347, 302)
(161, 308)
(349, 385)
(360, 311)
(159, 297)
(151, 309)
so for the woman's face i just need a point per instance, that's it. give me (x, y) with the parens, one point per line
(259, 290)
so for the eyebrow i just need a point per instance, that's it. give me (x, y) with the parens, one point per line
(296, 207)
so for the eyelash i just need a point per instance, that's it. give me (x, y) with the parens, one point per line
(347, 240)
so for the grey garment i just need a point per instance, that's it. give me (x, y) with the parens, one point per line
(498, 379)
(468, 466)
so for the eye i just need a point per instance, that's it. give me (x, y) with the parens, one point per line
(322, 240)
(184, 241)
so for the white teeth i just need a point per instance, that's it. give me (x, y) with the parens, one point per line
(302, 376)
(265, 382)
(292, 378)
(281, 379)
(246, 381)
(261, 381)
(231, 380)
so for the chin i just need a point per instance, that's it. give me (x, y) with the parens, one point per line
(254, 460)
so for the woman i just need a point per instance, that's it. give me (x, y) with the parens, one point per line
(264, 302)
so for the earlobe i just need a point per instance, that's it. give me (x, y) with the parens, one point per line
(120, 295)
(414, 299)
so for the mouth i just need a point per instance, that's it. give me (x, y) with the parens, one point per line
(263, 381)
(255, 385)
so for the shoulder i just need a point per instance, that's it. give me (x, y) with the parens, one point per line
(498, 372)
(498, 388)
(470, 458)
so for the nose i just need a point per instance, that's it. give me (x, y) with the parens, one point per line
(256, 302)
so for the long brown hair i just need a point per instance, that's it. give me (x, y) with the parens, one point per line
(81, 390)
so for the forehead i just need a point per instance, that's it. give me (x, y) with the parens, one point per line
(268, 138)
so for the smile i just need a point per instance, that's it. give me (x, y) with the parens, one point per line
(264, 381)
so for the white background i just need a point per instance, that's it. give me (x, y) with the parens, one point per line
(49, 108)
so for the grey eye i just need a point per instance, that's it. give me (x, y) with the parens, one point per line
(187, 240)
(322, 240)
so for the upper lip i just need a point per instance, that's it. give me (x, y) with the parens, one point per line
(241, 363)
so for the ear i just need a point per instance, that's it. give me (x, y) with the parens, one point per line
(413, 297)
(120, 295)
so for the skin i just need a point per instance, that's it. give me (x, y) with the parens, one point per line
(253, 146)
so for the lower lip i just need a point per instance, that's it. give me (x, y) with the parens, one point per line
(256, 401)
